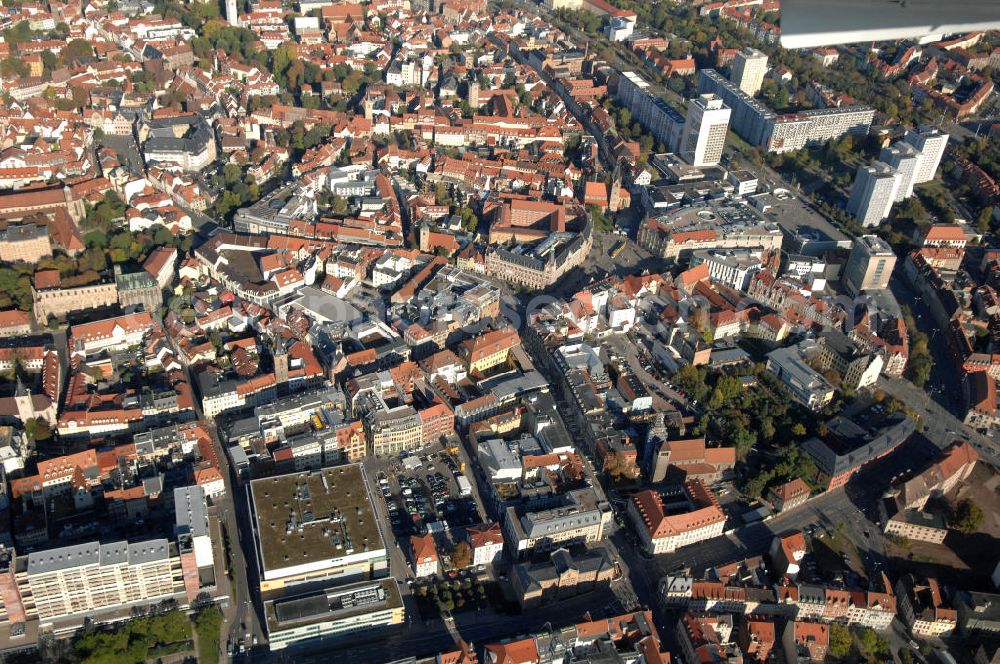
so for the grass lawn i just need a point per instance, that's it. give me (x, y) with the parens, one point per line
(207, 624)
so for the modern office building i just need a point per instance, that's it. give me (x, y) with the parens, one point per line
(906, 160)
(931, 143)
(749, 69)
(751, 119)
(805, 384)
(870, 264)
(873, 193)
(316, 526)
(704, 134)
(327, 614)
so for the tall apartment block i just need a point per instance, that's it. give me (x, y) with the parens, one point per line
(870, 264)
(931, 143)
(749, 69)
(704, 134)
(654, 114)
(873, 193)
(759, 125)
(906, 160)
(85, 579)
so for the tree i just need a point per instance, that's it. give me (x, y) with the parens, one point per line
(131, 642)
(162, 236)
(96, 239)
(623, 118)
(469, 219)
(109, 208)
(20, 32)
(50, 61)
(353, 83)
(873, 643)
(441, 194)
(340, 206)
(37, 429)
(207, 623)
(77, 49)
(13, 67)
(840, 641)
(967, 517)
(295, 74)
(461, 555)
(918, 368)
(984, 219)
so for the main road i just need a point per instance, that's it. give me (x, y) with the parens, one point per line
(233, 514)
(942, 400)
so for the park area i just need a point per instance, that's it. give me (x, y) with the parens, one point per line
(437, 598)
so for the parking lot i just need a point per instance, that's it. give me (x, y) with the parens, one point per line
(632, 350)
(423, 491)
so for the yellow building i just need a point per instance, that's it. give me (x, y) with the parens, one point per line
(489, 350)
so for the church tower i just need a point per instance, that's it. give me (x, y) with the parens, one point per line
(280, 364)
(23, 401)
(231, 14)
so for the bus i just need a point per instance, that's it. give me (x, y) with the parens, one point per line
(618, 248)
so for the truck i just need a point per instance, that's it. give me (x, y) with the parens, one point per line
(464, 488)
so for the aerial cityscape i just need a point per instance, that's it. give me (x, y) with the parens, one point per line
(499, 332)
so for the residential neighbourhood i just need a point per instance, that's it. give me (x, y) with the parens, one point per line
(495, 331)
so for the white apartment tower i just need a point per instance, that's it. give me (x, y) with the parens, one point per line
(906, 160)
(749, 69)
(931, 143)
(704, 134)
(232, 15)
(873, 193)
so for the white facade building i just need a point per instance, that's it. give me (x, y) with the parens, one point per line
(873, 193)
(734, 267)
(749, 69)
(906, 160)
(931, 142)
(704, 134)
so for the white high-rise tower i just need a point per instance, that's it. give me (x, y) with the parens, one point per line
(873, 193)
(704, 134)
(749, 69)
(931, 142)
(906, 160)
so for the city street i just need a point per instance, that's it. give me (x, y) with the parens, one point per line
(233, 511)
(940, 426)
